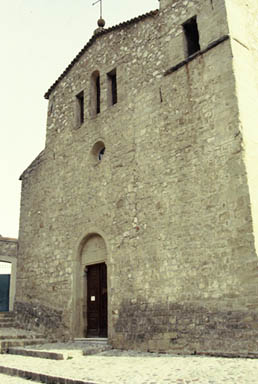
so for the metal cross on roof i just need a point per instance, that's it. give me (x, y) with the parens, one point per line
(96, 2)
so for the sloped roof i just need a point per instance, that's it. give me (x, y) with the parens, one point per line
(2, 238)
(91, 41)
(33, 165)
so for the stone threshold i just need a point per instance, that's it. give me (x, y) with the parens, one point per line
(91, 340)
(40, 377)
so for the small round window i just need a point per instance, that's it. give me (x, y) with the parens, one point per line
(97, 152)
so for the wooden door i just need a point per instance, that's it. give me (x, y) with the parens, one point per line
(4, 292)
(97, 300)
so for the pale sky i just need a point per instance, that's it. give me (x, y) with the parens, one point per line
(39, 38)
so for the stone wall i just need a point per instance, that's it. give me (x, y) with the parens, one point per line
(170, 198)
(8, 248)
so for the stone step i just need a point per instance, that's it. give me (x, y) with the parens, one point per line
(39, 377)
(7, 325)
(92, 340)
(95, 349)
(20, 336)
(93, 345)
(35, 353)
(8, 316)
(9, 343)
(6, 320)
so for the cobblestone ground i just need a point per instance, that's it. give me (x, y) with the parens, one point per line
(118, 367)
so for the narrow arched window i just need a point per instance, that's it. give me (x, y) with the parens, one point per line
(95, 93)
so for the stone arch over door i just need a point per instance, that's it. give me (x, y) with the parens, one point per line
(92, 257)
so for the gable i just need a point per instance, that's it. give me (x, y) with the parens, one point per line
(93, 39)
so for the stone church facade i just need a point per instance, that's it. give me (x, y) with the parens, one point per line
(139, 218)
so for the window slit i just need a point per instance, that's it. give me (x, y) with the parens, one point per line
(97, 94)
(192, 36)
(112, 87)
(80, 103)
(114, 90)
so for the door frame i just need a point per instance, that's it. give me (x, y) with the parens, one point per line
(12, 289)
(79, 291)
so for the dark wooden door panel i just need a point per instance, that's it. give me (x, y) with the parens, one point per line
(93, 300)
(97, 300)
(4, 292)
(103, 300)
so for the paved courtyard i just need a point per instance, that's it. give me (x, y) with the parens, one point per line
(118, 367)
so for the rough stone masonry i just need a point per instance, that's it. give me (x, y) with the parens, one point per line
(149, 168)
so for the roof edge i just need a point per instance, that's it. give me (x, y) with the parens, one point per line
(9, 239)
(91, 41)
(32, 165)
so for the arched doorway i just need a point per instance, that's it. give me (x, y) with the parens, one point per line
(93, 311)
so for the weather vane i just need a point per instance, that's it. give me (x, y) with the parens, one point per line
(96, 2)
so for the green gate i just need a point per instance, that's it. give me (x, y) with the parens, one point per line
(4, 292)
